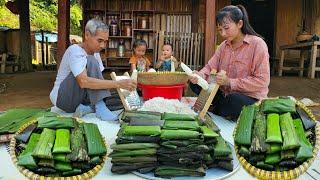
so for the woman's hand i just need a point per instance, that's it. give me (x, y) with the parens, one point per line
(194, 79)
(222, 79)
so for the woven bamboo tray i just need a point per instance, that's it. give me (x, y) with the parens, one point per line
(31, 175)
(291, 174)
(162, 78)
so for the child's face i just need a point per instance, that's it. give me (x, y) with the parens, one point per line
(140, 50)
(167, 51)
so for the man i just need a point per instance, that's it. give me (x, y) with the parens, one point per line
(80, 86)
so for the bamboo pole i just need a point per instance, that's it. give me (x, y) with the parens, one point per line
(192, 57)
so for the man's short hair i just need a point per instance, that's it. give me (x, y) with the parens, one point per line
(94, 25)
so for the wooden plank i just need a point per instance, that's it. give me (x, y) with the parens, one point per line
(191, 53)
(213, 93)
(298, 46)
(201, 51)
(161, 42)
(287, 24)
(156, 47)
(184, 45)
(209, 33)
(195, 65)
(186, 61)
(189, 24)
(292, 68)
(205, 99)
(195, 16)
(163, 22)
(123, 99)
(180, 49)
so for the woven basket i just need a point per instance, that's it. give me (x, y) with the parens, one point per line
(291, 174)
(31, 175)
(162, 78)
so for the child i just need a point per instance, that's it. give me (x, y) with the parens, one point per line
(138, 61)
(166, 61)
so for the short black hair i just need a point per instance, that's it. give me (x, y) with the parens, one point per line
(168, 44)
(139, 42)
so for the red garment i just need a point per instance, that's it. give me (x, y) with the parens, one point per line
(247, 67)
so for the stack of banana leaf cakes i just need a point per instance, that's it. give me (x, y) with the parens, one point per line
(169, 145)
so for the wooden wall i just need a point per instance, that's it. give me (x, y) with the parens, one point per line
(288, 23)
(315, 16)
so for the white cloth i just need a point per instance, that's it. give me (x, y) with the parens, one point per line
(74, 60)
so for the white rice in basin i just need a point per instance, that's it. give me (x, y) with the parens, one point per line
(159, 104)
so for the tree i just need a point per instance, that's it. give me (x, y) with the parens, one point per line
(43, 16)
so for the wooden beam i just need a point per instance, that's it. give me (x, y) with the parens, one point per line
(210, 25)
(195, 16)
(25, 38)
(63, 28)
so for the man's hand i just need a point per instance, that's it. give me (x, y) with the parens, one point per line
(127, 84)
(222, 79)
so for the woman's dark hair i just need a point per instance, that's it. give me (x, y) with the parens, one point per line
(236, 13)
(139, 42)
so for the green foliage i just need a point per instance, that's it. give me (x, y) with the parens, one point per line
(75, 17)
(43, 15)
(7, 18)
(2, 2)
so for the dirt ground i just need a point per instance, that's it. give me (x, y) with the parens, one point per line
(32, 89)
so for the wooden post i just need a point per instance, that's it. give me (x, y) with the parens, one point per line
(3, 63)
(195, 16)
(210, 25)
(63, 28)
(42, 48)
(301, 63)
(47, 51)
(313, 60)
(280, 68)
(25, 38)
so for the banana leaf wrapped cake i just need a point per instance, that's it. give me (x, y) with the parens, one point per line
(174, 145)
(135, 149)
(59, 147)
(277, 135)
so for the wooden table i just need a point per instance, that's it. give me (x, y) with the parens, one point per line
(303, 47)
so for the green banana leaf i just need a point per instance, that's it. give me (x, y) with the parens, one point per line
(134, 146)
(134, 159)
(179, 134)
(142, 130)
(168, 172)
(140, 152)
(173, 116)
(187, 125)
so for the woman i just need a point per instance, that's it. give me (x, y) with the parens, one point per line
(245, 59)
